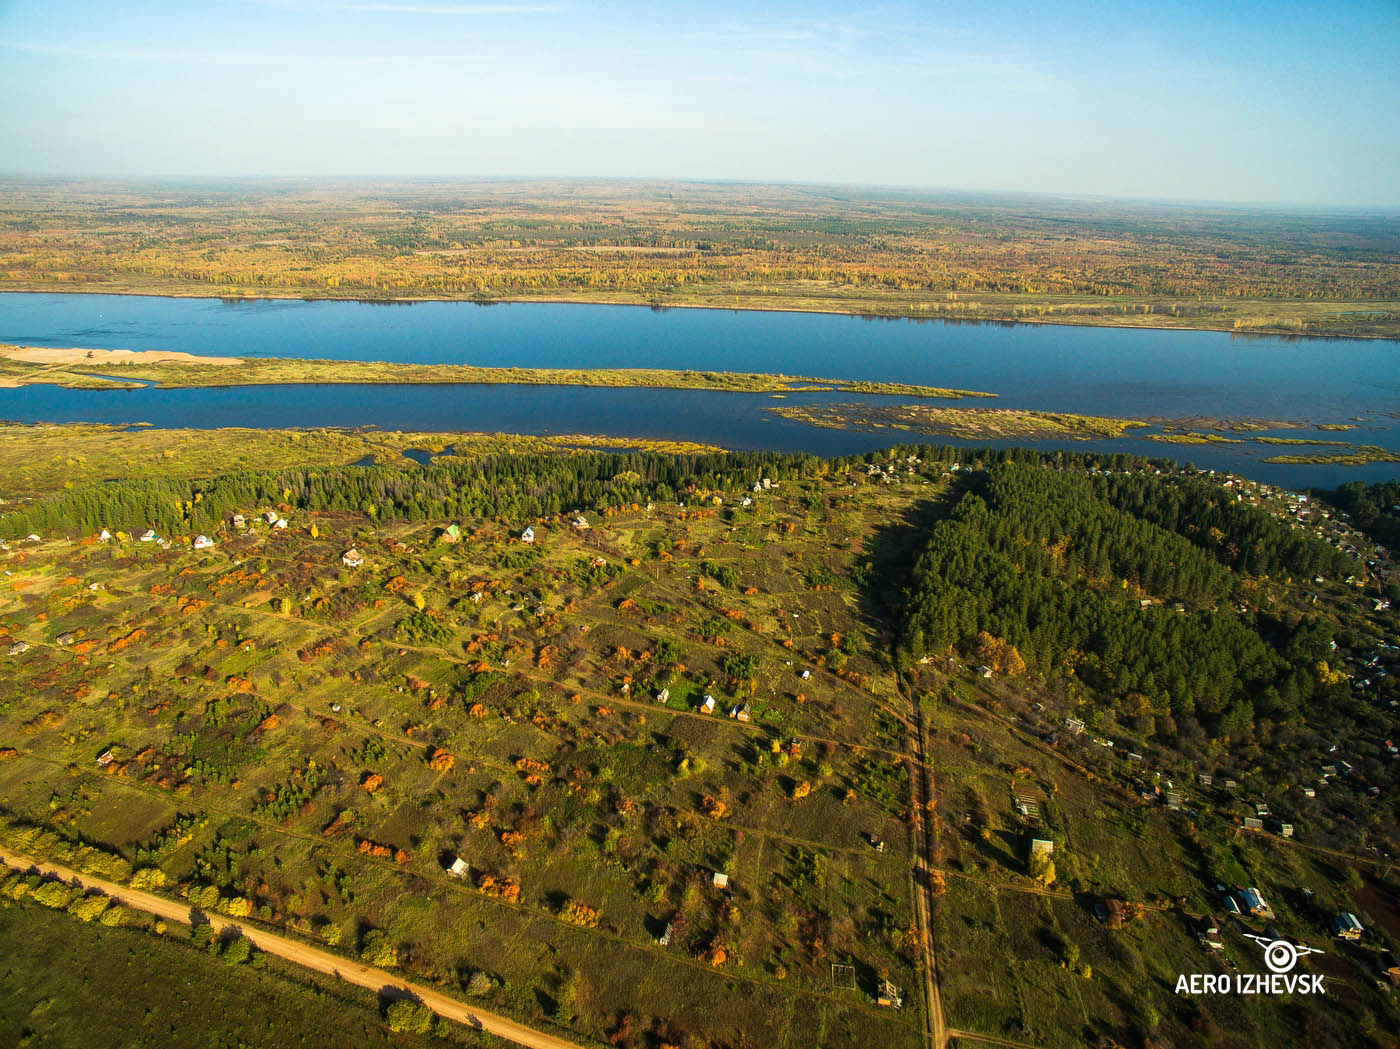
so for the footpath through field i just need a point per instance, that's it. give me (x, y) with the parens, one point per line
(377, 980)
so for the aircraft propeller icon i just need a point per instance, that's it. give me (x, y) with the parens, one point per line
(1280, 955)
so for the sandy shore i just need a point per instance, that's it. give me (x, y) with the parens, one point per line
(97, 358)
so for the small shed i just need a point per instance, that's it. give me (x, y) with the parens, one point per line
(720, 880)
(708, 706)
(1346, 926)
(1254, 902)
(1112, 912)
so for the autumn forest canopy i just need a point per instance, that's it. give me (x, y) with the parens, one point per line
(797, 247)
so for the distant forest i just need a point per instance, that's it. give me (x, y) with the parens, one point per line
(803, 247)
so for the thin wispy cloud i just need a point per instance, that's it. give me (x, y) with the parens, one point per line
(189, 57)
(390, 7)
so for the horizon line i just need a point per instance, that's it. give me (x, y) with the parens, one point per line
(1080, 196)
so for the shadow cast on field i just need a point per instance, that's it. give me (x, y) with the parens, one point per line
(891, 552)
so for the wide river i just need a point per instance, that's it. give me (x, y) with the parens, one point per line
(1095, 371)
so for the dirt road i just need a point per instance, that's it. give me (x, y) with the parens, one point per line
(923, 806)
(377, 980)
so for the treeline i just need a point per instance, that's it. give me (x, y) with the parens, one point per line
(513, 485)
(517, 487)
(1112, 581)
(521, 487)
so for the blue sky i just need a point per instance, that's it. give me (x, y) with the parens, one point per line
(1270, 102)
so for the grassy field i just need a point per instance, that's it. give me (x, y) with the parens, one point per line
(825, 249)
(310, 744)
(68, 983)
(556, 780)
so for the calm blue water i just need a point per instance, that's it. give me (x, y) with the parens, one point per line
(1102, 371)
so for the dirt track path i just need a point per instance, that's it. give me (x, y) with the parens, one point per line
(377, 980)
